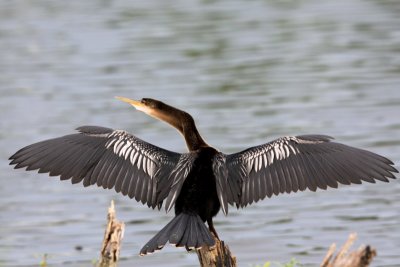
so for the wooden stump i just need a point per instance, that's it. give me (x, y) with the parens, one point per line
(359, 258)
(112, 239)
(216, 256)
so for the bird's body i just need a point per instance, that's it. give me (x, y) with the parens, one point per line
(202, 181)
(199, 192)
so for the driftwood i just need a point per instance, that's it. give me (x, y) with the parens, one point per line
(220, 255)
(112, 239)
(359, 258)
(216, 256)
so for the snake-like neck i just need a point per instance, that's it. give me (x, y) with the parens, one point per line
(180, 120)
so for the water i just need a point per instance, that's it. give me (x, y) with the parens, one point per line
(248, 71)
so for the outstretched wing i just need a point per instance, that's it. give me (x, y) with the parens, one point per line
(106, 157)
(289, 164)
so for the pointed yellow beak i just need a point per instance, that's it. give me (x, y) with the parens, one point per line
(136, 103)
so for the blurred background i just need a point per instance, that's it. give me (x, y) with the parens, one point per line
(248, 71)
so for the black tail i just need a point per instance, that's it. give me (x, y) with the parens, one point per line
(185, 230)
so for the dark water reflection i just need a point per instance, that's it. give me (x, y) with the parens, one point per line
(248, 71)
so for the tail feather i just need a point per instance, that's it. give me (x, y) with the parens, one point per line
(159, 240)
(189, 241)
(185, 230)
(178, 231)
(185, 238)
(206, 236)
(193, 235)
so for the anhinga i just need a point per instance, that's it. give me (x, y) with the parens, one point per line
(200, 182)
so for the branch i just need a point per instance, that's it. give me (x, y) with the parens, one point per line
(112, 239)
(359, 258)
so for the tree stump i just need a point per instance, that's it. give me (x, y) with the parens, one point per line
(112, 239)
(359, 258)
(216, 256)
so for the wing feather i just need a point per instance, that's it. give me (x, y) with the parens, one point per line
(292, 174)
(268, 184)
(289, 164)
(106, 157)
(44, 162)
(69, 163)
(274, 179)
(122, 176)
(280, 174)
(177, 178)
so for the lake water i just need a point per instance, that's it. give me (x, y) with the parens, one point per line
(248, 71)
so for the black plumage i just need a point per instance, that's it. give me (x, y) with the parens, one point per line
(202, 181)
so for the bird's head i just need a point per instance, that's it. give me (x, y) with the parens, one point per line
(149, 106)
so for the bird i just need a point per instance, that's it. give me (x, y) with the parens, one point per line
(202, 181)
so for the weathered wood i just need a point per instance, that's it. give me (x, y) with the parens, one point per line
(112, 239)
(216, 256)
(359, 258)
(220, 255)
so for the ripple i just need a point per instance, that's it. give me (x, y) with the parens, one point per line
(248, 72)
(358, 218)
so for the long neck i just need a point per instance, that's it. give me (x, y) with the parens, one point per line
(192, 136)
(184, 123)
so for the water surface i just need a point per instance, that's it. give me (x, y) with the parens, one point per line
(248, 71)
